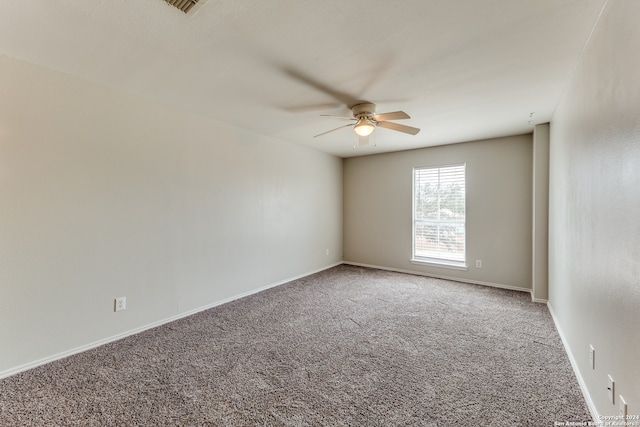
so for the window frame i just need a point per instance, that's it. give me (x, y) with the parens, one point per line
(436, 261)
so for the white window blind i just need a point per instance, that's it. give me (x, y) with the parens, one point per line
(439, 215)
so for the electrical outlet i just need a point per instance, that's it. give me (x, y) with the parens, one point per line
(478, 263)
(327, 251)
(120, 304)
(622, 407)
(592, 357)
(611, 390)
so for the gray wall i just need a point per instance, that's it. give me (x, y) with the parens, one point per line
(377, 209)
(105, 195)
(594, 237)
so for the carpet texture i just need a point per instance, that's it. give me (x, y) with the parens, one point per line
(348, 346)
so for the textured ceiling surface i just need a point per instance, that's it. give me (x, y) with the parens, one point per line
(462, 69)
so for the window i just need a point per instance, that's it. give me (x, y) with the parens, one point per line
(439, 216)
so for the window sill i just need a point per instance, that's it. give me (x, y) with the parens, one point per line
(438, 263)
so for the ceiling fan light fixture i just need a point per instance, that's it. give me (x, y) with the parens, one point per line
(364, 127)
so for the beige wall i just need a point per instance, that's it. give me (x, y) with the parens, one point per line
(594, 237)
(105, 195)
(377, 209)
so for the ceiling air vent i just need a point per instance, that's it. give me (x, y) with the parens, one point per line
(184, 5)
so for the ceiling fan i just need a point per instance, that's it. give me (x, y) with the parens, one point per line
(364, 113)
(366, 120)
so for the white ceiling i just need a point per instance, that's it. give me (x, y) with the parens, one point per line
(463, 69)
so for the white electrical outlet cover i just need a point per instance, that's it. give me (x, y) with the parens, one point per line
(592, 357)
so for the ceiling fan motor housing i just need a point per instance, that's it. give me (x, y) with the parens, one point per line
(365, 109)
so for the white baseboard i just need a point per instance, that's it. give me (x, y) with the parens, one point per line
(438, 276)
(574, 365)
(540, 300)
(81, 349)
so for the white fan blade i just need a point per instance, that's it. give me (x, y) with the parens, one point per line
(396, 115)
(337, 117)
(311, 107)
(332, 130)
(400, 128)
(341, 97)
